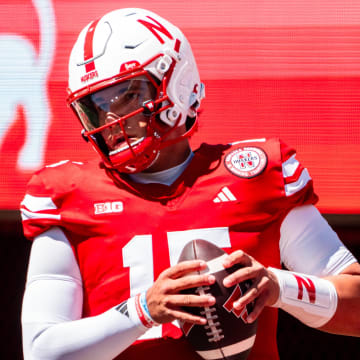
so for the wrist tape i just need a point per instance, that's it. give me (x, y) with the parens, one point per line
(310, 299)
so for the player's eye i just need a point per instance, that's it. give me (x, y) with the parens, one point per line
(131, 96)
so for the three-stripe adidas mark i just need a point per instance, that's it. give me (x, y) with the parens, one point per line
(224, 195)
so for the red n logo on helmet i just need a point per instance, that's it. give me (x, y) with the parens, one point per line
(156, 28)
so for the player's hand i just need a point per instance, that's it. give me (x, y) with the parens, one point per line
(164, 300)
(265, 287)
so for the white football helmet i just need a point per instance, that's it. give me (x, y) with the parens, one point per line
(127, 68)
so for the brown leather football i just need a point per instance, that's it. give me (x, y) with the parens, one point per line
(226, 335)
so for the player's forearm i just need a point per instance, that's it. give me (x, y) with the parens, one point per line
(101, 337)
(346, 320)
(52, 309)
(330, 304)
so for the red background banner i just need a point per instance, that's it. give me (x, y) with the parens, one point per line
(271, 68)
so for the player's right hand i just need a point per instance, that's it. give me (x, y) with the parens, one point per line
(165, 303)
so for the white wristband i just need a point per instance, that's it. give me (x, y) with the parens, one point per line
(310, 299)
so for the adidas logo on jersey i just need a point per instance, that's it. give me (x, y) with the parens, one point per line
(108, 207)
(224, 195)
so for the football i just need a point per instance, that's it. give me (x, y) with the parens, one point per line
(226, 335)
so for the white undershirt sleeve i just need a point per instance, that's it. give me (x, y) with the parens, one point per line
(309, 245)
(52, 307)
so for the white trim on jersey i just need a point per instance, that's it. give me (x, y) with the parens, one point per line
(26, 215)
(248, 141)
(31, 208)
(289, 166)
(299, 184)
(38, 203)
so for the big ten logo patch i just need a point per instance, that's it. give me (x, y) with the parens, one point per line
(108, 207)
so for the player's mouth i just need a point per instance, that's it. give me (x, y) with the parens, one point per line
(120, 144)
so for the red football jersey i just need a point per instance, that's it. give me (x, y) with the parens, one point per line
(124, 234)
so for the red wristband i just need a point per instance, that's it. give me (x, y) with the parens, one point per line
(140, 312)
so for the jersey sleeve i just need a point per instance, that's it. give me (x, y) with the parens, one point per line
(41, 207)
(267, 178)
(39, 211)
(298, 187)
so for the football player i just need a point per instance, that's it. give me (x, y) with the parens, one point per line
(104, 280)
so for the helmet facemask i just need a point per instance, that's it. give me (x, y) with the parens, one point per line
(121, 120)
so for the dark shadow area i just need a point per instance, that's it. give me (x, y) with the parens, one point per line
(14, 250)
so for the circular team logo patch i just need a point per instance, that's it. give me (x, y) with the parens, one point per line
(246, 162)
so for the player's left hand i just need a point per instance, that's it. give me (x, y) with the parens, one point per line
(264, 290)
